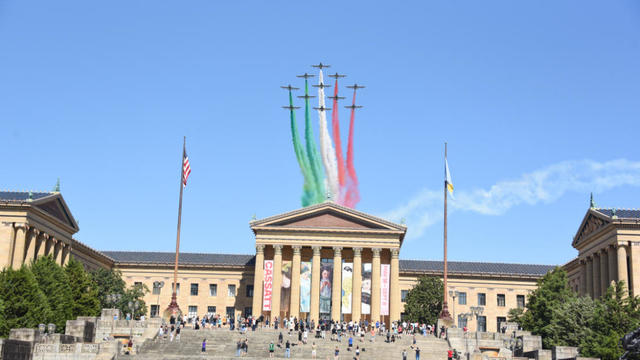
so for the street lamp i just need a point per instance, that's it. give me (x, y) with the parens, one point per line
(51, 328)
(133, 306)
(113, 299)
(454, 295)
(158, 285)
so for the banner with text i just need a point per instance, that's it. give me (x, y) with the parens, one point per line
(268, 285)
(366, 288)
(285, 293)
(385, 271)
(347, 282)
(305, 286)
(326, 274)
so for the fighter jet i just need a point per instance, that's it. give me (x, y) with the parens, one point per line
(322, 108)
(353, 107)
(291, 108)
(305, 75)
(322, 86)
(306, 97)
(336, 75)
(289, 87)
(321, 66)
(355, 87)
(336, 97)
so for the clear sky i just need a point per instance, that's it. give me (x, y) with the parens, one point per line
(538, 100)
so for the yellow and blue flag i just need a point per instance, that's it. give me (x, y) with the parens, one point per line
(447, 181)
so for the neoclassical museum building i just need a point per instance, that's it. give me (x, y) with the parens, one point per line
(322, 261)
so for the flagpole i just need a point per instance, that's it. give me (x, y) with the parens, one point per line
(445, 308)
(174, 309)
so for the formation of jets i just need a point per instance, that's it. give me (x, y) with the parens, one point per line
(322, 108)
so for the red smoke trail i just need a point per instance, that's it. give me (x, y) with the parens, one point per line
(338, 143)
(353, 195)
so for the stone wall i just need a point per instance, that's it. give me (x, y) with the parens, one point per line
(15, 349)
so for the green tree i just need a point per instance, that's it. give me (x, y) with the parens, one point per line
(84, 292)
(135, 293)
(54, 283)
(3, 319)
(553, 290)
(572, 321)
(25, 305)
(424, 300)
(110, 282)
(515, 315)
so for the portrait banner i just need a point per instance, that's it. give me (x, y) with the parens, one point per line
(268, 285)
(285, 292)
(347, 288)
(326, 274)
(305, 286)
(385, 272)
(366, 288)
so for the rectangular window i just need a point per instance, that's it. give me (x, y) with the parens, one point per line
(213, 289)
(211, 310)
(462, 321)
(231, 291)
(403, 295)
(193, 311)
(249, 290)
(154, 311)
(247, 311)
(137, 284)
(501, 301)
(500, 320)
(482, 299)
(194, 289)
(520, 299)
(462, 298)
(231, 313)
(156, 290)
(482, 323)
(177, 289)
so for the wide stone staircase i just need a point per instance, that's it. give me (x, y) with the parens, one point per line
(221, 344)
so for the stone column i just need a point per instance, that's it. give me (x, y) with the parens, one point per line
(622, 265)
(66, 249)
(41, 245)
(356, 305)
(634, 288)
(604, 271)
(375, 286)
(258, 278)
(589, 279)
(613, 266)
(394, 288)
(57, 251)
(336, 286)
(596, 276)
(277, 282)
(18, 249)
(48, 247)
(30, 251)
(314, 312)
(294, 308)
(12, 243)
(583, 277)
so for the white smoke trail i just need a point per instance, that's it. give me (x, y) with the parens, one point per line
(327, 152)
(544, 185)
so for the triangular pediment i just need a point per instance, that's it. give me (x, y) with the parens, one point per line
(327, 215)
(592, 222)
(55, 206)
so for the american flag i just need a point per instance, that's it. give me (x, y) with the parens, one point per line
(186, 169)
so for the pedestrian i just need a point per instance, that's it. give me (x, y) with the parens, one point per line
(245, 345)
(280, 339)
(404, 354)
(238, 347)
(417, 353)
(287, 351)
(178, 334)
(204, 345)
(449, 354)
(313, 350)
(271, 349)
(130, 347)
(350, 342)
(336, 355)
(357, 352)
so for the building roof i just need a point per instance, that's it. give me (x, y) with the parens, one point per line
(141, 257)
(459, 267)
(19, 196)
(620, 213)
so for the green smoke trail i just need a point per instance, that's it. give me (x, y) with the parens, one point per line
(312, 153)
(308, 194)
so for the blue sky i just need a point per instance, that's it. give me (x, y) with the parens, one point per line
(537, 100)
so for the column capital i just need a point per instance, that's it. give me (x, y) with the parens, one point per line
(337, 251)
(603, 250)
(22, 226)
(583, 261)
(357, 251)
(376, 252)
(260, 248)
(395, 252)
(316, 250)
(278, 249)
(296, 249)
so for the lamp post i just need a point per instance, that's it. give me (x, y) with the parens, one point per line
(454, 295)
(113, 299)
(158, 285)
(476, 311)
(133, 306)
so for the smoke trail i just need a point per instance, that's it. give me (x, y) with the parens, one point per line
(312, 153)
(336, 138)
(326, 146)
(301, 156)
(353, 195)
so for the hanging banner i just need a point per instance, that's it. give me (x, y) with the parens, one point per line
(326, 274)
(268, 285)
(285, 293)
(347, 282)
(305, 286)
(385, 272)
(366, 288)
